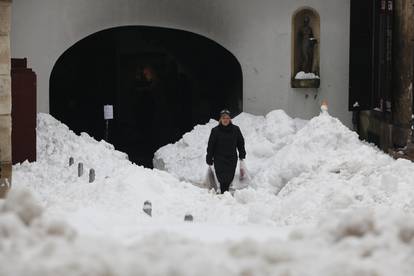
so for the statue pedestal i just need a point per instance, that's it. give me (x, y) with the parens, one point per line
(305, 83)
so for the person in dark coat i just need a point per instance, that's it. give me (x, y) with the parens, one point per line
(221, 150)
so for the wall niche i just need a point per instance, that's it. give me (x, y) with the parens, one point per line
(305, 48)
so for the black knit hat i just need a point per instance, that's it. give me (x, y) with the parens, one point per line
(225, 111)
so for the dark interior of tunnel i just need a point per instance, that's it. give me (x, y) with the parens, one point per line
(161, 82)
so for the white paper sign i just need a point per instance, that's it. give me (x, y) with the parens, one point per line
(108, 112)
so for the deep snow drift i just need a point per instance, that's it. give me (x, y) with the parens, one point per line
(314, 167)
(321, 202)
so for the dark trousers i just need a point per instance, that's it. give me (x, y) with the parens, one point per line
(225, 168)
(224, 187)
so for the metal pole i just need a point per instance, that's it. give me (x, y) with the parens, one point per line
(107, 130)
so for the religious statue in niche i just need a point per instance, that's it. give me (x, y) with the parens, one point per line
(308, 42)
(305, 50)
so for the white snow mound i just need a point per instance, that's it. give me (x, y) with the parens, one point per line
(321, 202)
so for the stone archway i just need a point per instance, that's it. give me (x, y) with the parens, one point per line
(160, 81)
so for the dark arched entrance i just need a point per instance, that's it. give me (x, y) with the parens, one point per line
(160, 81)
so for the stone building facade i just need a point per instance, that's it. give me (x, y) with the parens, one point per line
(5, 97)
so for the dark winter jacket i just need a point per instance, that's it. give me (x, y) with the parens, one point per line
(221, 150)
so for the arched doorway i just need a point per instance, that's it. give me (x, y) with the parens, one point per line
(160, 81)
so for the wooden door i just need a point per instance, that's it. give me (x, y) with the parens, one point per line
(23, 112)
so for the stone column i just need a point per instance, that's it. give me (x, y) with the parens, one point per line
(5, 98)
(403, 50)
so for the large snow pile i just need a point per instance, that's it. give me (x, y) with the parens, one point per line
(264, 137)
(112, 205)
(321, 203)
(313, 167)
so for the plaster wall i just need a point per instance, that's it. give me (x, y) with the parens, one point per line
(258, 33)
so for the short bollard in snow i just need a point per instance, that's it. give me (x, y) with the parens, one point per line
(188, 217)
(71, 161)
(148, 208)
(80, 169)
(91, 175)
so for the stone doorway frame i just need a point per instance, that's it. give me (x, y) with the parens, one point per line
(5, 98)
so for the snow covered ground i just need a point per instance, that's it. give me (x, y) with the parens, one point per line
(320, 202)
